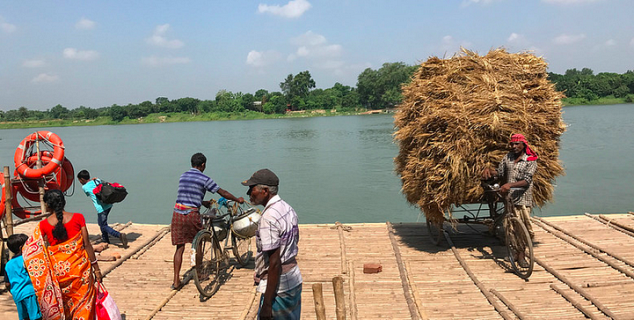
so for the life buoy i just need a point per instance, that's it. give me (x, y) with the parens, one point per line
(62, 178)
(17, 208)
(22, 167)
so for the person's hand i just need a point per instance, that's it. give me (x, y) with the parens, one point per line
(241, 200)
(206, 204)
(266, 312)
(487, 174)
(504, 189)
(98, 276)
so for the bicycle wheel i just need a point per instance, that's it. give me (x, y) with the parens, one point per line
(241, 248)
(207, 263)
(520, 248)
(435, 232)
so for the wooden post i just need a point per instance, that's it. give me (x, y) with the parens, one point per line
(40, 183)
(318, 296)
(337, 285)
(8, 212)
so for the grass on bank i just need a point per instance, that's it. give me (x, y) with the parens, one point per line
(167, 118)
(247, 115)
(601, 101)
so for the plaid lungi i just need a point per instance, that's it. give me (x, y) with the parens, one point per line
(286, 305)
(185, 226)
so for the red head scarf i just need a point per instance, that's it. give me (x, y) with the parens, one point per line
(518, 137)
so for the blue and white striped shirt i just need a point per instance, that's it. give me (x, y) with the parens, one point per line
(192, 186)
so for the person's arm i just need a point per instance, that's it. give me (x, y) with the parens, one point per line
(7, 284)
(226, 194)
(273, 279)
(91, 254)
(526, 178)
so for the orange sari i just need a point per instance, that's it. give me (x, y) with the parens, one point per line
(62, 277)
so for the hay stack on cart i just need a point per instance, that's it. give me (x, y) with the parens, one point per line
(457, 118)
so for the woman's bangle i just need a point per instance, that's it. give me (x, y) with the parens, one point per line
(93, 262)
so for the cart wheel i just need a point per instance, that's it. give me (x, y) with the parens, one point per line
(241, 249)
(520, 248)
(207, 263)
(435, 232)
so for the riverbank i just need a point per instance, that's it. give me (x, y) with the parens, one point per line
(173, 117)
(247, 115)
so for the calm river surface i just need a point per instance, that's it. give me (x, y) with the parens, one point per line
(331, 169)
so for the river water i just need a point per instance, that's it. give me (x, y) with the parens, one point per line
(330, 168)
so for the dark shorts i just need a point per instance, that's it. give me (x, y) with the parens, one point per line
(185, 227)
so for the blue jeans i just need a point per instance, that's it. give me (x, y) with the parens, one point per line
(102, 221)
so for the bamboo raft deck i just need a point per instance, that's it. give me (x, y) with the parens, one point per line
(583, 264)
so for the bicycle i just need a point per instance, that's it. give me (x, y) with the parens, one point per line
(228, 221)
(515, 235)
(503, 223)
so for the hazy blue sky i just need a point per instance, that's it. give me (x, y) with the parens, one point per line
(99, 53)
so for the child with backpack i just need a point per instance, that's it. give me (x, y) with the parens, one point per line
(18, 282)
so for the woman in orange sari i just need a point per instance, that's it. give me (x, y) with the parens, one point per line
(61, 263)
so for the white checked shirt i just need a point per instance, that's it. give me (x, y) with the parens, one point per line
(278, 229)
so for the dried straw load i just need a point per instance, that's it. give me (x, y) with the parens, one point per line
(457, 118)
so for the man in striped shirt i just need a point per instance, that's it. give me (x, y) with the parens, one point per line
(186, 221)
(276, 270)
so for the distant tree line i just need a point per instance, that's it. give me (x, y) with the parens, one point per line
(586, 87)
(376, 89)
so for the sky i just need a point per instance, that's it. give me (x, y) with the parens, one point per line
(99, 53)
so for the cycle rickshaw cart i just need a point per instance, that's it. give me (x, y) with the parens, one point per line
(497, 213)
(227, 225)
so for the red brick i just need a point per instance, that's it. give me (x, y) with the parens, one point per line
(372, 268)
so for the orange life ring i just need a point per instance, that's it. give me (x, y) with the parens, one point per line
(22, 167)
(63, 178)
(17, 208)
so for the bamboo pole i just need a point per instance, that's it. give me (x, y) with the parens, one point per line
(558, 232)
(417, 299)
(127, 256)
(578, 289)
(504, 313)
(508, 303)
(169, 297)
(411, 304)
(616, 223)
(574, 304)
(353, 297)
(344, 263)
(607, 223)
(318, 297)
(249, 304)
(337, 286)
(36, 218)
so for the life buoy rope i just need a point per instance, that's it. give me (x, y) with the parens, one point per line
(21, 157)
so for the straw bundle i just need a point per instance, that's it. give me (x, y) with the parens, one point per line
(457, 118)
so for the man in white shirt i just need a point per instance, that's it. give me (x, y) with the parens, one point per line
(276, 272)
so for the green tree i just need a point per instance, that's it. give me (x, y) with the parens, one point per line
(260, 95)
(117, 113)
(187, 105)
(59, 112)
(296, 88)
(23, 113)
(146, 107)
